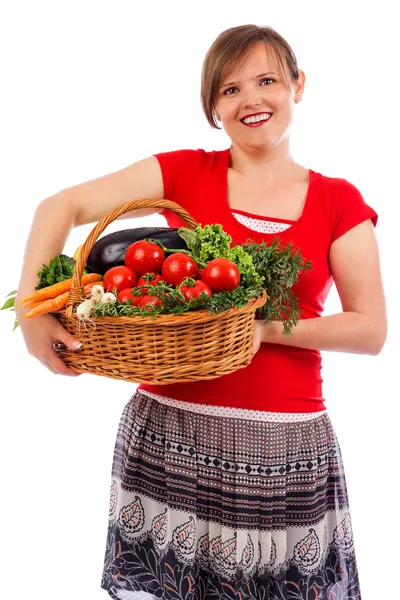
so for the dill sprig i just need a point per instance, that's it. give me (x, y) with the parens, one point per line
(280, 266)
(173, 302)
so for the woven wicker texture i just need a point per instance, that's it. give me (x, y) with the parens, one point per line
(157, 349)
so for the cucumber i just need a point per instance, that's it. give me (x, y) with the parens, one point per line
(109, 251)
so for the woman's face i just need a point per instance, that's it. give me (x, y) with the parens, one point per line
(256, 89)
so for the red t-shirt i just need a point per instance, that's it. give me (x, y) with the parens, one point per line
(279, 378)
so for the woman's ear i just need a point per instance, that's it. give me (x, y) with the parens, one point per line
(300, 84)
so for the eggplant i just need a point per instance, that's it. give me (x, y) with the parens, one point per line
(109, 251)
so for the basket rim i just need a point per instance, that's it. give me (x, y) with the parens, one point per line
(196, 316)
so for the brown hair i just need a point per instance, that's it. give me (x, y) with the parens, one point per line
(226, 51)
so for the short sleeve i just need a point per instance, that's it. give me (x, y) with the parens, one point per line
(350, 209)
(180, 170)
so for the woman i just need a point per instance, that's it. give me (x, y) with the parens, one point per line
(235, 487)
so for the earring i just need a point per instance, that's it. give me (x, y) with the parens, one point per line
(297, 99)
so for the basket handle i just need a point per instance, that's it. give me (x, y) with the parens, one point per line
(76, 294)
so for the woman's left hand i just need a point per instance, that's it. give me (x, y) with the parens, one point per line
(265, 332)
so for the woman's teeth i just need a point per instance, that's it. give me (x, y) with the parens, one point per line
(257, 119)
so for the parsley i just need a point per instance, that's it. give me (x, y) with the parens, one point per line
(61, 267)
(10, 304)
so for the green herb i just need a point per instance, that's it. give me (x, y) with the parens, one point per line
(280, 266)
(233, 299)
(10, 305)
(61, 267)
(175, 303)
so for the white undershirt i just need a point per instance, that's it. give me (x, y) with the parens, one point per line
(260, 225)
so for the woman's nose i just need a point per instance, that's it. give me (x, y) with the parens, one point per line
(251, 98)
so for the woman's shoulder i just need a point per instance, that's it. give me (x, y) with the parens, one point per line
(195, 153)
(345, 201)
(189, 160)
(334, 183)
(337, 187)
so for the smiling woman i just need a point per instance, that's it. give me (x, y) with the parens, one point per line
(235, 487)
(230, 51)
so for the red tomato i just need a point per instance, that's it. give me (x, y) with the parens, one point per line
(221, 275)
(152, 280)
(149, 301)
(144, 257)
(195, 290)
(119, 277)
(199, 274)
(177, 266)
(127, 296)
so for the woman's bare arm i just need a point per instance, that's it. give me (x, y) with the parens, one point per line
(81, 204)
(362, 326)
(93, 199)
(53, 220)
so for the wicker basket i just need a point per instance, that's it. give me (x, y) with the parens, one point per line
(163, 349)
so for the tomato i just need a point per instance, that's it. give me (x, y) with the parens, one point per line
(144, 257)
(127, 296)
(195, 290)
(177, 266)
(149, 279)
(149, 301)
(119, 277)
(199, 274)
(221, 275)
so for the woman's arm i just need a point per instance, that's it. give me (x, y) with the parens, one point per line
(53, 220)
(85, 203)
(362, 326)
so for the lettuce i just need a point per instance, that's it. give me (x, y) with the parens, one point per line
(211, 241)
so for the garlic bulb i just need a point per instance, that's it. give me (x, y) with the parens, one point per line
(84, 309)
(97, 292)
(108, 297)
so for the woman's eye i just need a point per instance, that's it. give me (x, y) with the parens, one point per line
(227, 92)
(267, 79)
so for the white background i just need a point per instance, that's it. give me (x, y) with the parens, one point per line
(90, 87)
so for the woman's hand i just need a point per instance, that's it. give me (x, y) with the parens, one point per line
(265, 332)
(40, 333)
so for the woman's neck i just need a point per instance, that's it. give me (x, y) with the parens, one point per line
(265, 167)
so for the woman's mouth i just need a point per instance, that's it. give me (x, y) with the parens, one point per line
(257, 121)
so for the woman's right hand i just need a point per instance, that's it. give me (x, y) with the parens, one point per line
(40, 333)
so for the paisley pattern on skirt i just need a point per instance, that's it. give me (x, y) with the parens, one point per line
(212, 507)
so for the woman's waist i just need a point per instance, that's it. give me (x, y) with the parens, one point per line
(236, 412)
(282, 378)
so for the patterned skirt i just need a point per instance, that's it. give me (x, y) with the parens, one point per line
(214, 503)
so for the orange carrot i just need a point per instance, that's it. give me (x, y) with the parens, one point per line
(47, 306)
(53, 304)
(33, 304)
(59, 288)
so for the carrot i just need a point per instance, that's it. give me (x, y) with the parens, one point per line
(52, 291)
(47, 306)
(33, 304)
(53, 304)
